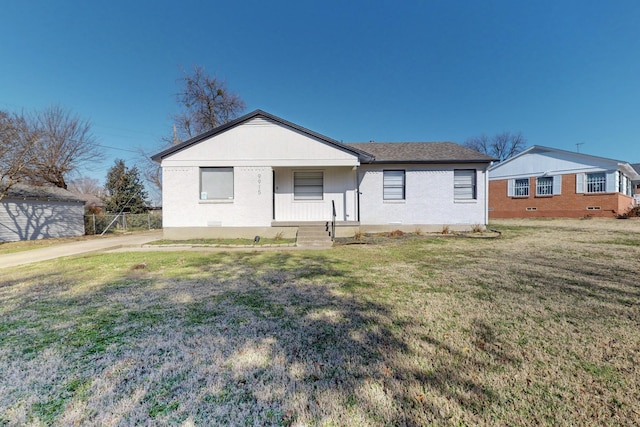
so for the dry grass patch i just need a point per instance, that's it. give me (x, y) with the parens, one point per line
(539, 327)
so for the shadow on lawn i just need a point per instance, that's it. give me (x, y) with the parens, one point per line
(274, 339)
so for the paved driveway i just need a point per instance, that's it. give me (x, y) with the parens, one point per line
(97, 244)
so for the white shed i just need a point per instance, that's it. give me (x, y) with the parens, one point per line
(40, 212)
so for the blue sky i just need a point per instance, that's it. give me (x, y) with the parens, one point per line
(560, 72)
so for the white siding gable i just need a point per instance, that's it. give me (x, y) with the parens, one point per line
(262, 142)
(540, 162)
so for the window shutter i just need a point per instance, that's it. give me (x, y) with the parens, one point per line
(393, 184)
(510, 184)
(611, 182)
(308, 185)
(580, 183)
(557, 184)
(464, 181)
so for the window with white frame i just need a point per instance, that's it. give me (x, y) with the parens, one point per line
(596, 182)
(521, 187)
(544, 186)
(621, 184)
(464, 184)
(624, 184)
(393, 185)
(216, 183)
(308, 185)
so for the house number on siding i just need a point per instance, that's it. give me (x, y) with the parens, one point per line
(259, 181)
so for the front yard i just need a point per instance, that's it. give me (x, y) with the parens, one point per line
(538, 327)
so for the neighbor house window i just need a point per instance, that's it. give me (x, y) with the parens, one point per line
(393, 183)
(521, 187)
(596, 182)
(308, 185)
(216, 183)
(624, 184)
(544, 186)
(464, 184)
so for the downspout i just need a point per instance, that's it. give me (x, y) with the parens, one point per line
(358, 193)
(486, 194)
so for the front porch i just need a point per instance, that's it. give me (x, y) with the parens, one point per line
(314, 195)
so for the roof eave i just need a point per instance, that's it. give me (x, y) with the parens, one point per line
(457, 161)
(362, 156)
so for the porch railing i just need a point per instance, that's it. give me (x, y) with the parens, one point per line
(333, 220)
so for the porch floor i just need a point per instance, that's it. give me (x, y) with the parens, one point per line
(313, 223)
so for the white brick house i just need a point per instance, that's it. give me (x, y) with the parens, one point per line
(260, 174)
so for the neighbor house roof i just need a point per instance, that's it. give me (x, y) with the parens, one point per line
(42, 193)
(258, 113)
(622, 165)
(421, 152)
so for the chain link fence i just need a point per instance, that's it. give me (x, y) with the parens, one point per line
(98, 223)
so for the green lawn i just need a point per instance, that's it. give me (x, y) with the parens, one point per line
(537, 327)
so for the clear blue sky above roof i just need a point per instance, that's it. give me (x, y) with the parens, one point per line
(561, 72)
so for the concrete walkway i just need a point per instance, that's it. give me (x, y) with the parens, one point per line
(97, 244)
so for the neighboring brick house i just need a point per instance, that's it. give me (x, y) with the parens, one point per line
(636, 184)
(547, 182)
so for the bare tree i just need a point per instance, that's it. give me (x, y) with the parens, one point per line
(86, 185)
(65, 145)
(206, 102)
(18, 142)
(500, 146)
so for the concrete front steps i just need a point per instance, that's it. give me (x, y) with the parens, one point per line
(313, 236)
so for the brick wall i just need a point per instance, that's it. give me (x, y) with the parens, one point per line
(565, 205)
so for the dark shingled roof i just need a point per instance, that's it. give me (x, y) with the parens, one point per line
(36, 192)
(421, 152)
(636, 167)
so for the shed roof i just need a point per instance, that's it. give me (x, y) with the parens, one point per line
(43, 193)
(421, 152)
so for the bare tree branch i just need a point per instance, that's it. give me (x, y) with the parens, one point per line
(65, 145)
(85, 185)
(207, 104)
(500, 146)
(18, 143)
(479, 143)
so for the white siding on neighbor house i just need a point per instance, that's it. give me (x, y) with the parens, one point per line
(32, 219)
(338, 186)
(261, 142)
(549, 162)
(251, 204)
(429, 197)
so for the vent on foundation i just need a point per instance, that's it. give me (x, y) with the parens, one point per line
(532, 209)
(593, 208)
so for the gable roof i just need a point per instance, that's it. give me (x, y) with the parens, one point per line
(636, 167)
(41, 193)
(363, 156)
(421, 152)
(586, 158)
